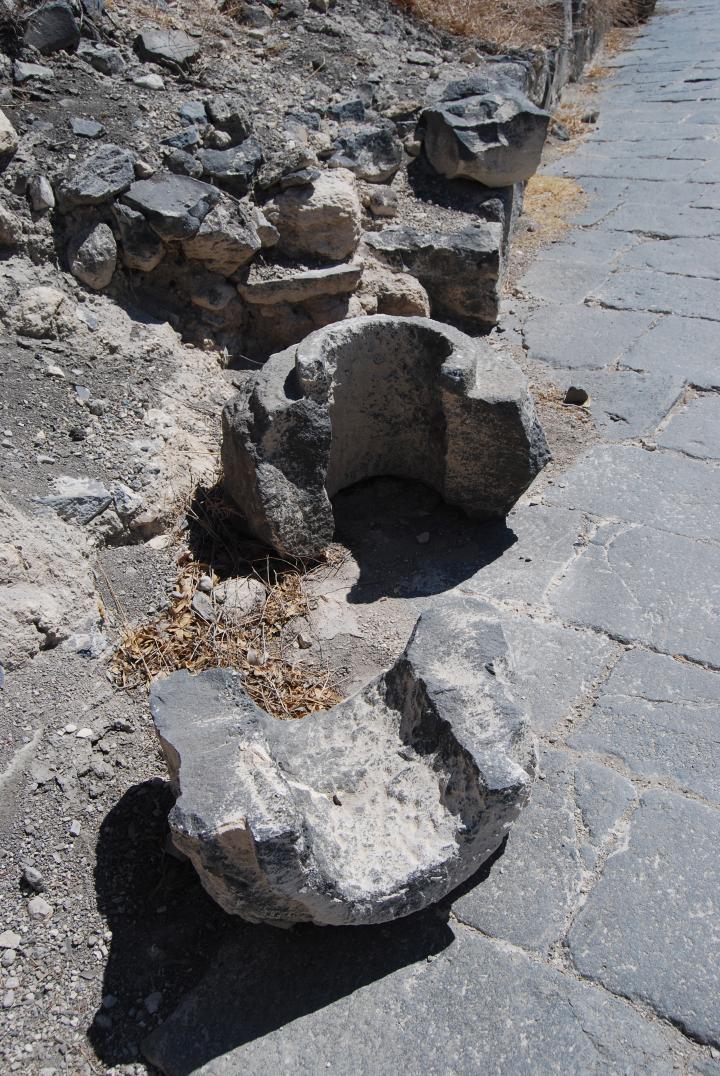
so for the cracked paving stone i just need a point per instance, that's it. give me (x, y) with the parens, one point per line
(582, 337)
(603, 797)
(555, 667)
(533, 885)
(640, 584)
(686, 257)
(315, 1000)
(625, 403)
(689, 344)
(568, 283)
(630, 167)
(664, 293)
(663, 220)
(650, 930)
(660, 718)
(682, 196)
(695, 429)
(543, 542)
(658, 489)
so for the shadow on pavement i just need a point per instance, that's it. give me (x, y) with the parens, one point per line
(220, 981)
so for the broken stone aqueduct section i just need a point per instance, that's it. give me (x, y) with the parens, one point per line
(566, 696)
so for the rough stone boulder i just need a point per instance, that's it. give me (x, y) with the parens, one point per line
(366, 812)
(140, 247)
(374, 155)
(99, 178)
(174, 48)
(52, 27)
(174, 206)
(320, 219)
(461, 271)
(373, 396)
(232, 169)
(93, 257)
(226, 240)
(493, 138)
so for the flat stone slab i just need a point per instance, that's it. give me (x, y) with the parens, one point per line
(306, 1002)
(582, 337)
(569, 283)
(688, 345)
(695, 429)
(301, 286)
(603, 796)
(663, 219)
(665, 293)
(658, 489)
(688, 257)
(645, 585)
(555, 667)
(624, 403)
(174, 48)
(542, 542)
(648, 930)
(659, 718)
(533, 885)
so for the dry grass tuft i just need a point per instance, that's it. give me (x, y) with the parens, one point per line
(550, 202)
(256, 644)
(516, 23)
(181, 638)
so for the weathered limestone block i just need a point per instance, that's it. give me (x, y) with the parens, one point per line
(372, 396)
(364, 813)
(301, 286)
(461, 271)
(493, 138)
(318, 220)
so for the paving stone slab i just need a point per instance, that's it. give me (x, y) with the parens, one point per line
(651, 928)
(582, 337)
(657, 489)
(695, 429)
(661, 719)
(569, 283)
(543, 542)
(637, 289)
(532, 887)
(555, 667)
(688, 345)
(372, 1003)
(624, 403)
(655, 168)
(667, 221)
(642, 585)
(603, 797)
(688, 257)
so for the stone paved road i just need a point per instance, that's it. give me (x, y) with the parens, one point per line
(593, 943)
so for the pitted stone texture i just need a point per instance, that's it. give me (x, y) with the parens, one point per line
(363, 813)
(659, 718)
(494, 138)
(377, 396)
(646, 930)
(174, 206)
(461, 271)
